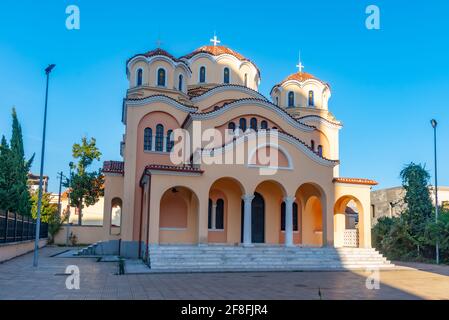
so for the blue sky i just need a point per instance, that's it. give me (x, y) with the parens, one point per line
(386, 84)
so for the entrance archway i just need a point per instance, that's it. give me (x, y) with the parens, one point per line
(178, 221)
(347, 212)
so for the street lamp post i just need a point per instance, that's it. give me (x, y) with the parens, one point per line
(39, 202)
(434, 124)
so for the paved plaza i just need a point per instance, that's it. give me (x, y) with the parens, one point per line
(99, 280)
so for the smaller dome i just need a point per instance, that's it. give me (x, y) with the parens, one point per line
(301, 77)
(158, 52)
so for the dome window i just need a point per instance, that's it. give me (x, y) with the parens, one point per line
(231, 126)
(226, 75)
(161, 77)
(147, 139)
(264, 125)
(160, 137)
(246, 79)
(202, 74)
(180, 84)
(242, 124)
(311, 99)
(139, 79)
(253, 124)
(291, 99)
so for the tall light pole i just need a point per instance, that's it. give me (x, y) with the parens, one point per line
(39, 201)
(434, 124)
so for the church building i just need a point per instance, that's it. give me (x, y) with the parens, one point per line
(162, 202)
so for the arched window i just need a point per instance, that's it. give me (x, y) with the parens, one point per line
(253, 124)
(219, 215)
(209, 215)
(277, 101)
(312, 144)
(139, 79)
(242, 124)
(161, 77)
(291, 99)
(147, 139)
(159, 137)
(226, 75)
(264, 125)
(246, 79)
(320, 150)
(180, 84)
(116, 216)
(231, 126)
(203, 74)
(295, 216)
(311, 99)
(170, 141)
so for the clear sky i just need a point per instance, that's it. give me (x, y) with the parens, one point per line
(386, 84)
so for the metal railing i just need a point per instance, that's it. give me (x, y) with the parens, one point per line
(16, 228)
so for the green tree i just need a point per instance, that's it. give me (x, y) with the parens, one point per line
(14, 193)
(415, 180)
(85, 187)
(6, 176)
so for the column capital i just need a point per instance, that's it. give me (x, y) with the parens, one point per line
(248, 197)
(289, 199)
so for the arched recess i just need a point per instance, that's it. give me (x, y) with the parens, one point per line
(178, 220)
(312, 214)
(230, 191)
(116, 216)
(347, 211)
(273, 194)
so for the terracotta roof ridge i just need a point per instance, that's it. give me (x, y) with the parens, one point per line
(229, 85)
(361, 181)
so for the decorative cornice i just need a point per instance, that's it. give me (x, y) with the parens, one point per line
(113, 167)
(319, 119)
(358, 181)
(229, 87)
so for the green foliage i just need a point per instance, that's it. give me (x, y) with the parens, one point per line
(49, 213)
(413, 235)
(85, 187)
(14, 194)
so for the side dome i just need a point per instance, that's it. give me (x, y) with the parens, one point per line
(301, 90)
(214, 65)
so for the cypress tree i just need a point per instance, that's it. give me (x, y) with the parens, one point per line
(6, 176)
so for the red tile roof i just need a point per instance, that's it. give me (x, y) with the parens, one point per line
(301, 77)
(356, 181)
(159, 52)
(114, 167)
(163, 167)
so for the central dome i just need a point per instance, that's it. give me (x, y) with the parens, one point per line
(216, 51)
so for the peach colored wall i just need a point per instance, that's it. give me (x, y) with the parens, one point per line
(174, 211)
(113, 189)
(219, 236)
(269, 152)
(9, 251)
(84, 234)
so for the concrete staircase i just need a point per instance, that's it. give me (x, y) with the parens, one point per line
(215, 258)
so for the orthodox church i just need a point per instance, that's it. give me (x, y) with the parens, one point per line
(164, 202)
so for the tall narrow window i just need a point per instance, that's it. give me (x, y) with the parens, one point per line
(147, 139)
(253, 124)
(209, 215)
(226, 75)
(170, 141)
(219, 215)
(180, 84)
(139, 77)
(291, 99)
(161, 77)
(203, 74)
(231, 126)
(242, 124)
(311, 99)
(264, 125)
(277, 101)
(312, 145)
(246, 79)
(159, 137)
(320, 150)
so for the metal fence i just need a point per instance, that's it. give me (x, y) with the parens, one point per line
(16, 228)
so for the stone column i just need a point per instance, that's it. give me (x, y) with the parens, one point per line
(213, 223)
(248, 199)
(289, 221)
(164, 144)
(153, 143)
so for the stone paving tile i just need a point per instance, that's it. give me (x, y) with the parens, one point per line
(19, 280)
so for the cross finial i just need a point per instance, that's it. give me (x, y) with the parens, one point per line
(158, 42)
(300, 66)
(215, 40)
